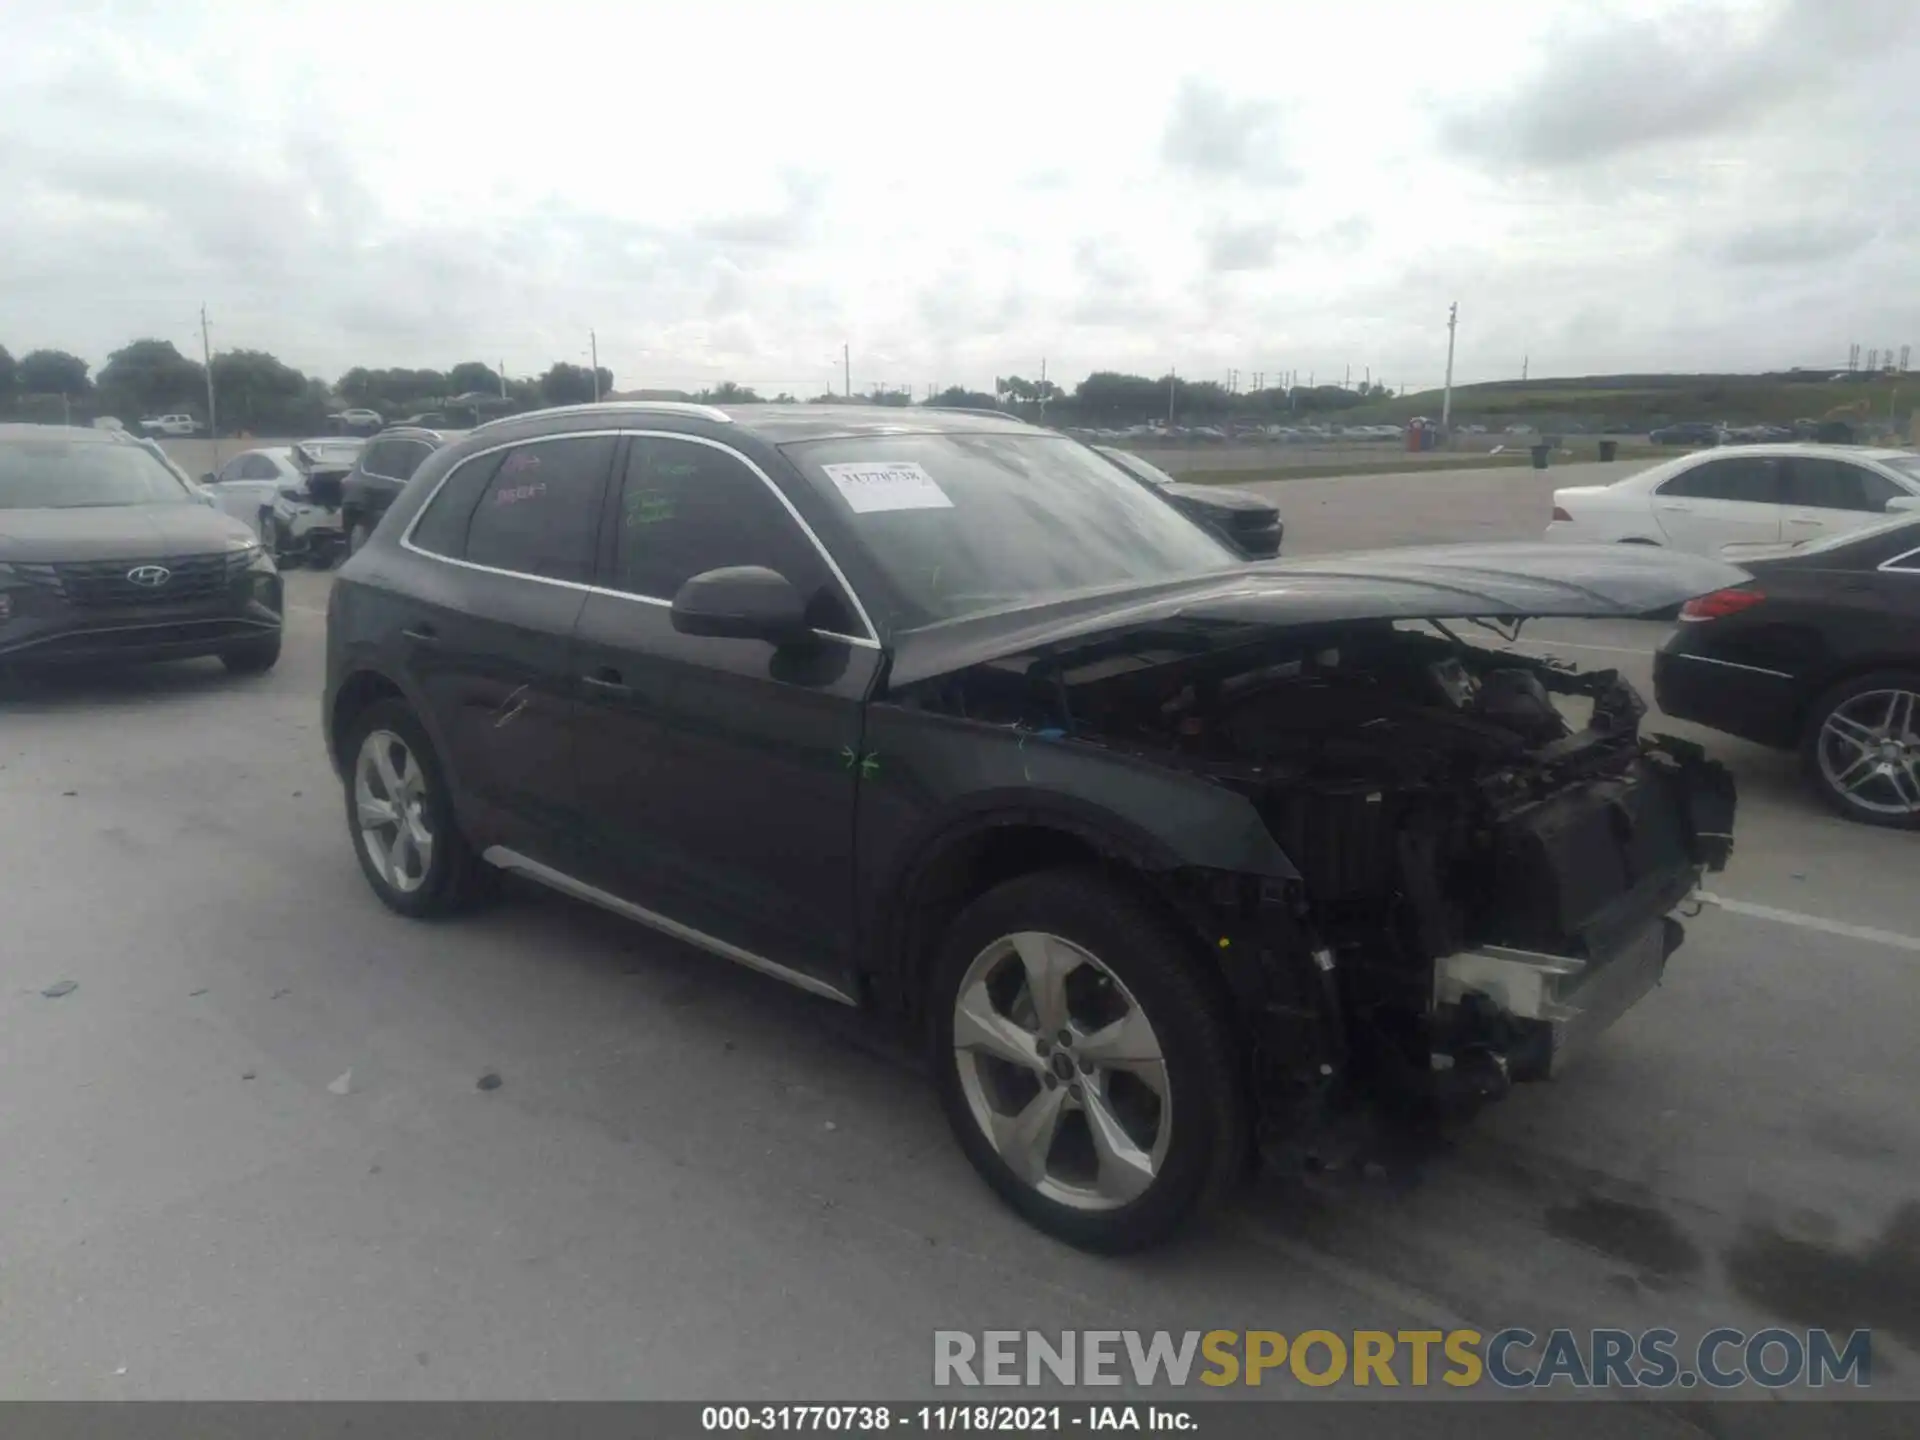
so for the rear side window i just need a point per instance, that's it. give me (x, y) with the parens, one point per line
(442, 527)
(534, 513)
(1752, 478)
(1836, 485)
(380, 458)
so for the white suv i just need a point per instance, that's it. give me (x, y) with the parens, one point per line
(170, 425)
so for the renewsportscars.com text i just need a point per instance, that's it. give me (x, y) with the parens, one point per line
(1509, 1359)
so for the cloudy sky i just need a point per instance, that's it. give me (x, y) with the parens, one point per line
(957, 191)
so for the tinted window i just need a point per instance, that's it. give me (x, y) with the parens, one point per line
(442, 529)
(393, 459)
(407, 458)
(686, 508)
(1752, 478)
(537, 515)
(1836, 485)
(258, 467)
(61, 474)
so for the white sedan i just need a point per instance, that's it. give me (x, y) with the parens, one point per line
(1743, 495)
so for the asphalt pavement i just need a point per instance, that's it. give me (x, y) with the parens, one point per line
(248, 1153)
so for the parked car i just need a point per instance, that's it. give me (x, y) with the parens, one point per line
(1246, 522)
(109, 555)
(381, 472)
(170, 425)
(1819, 652)
(944, 716)
(1763, 494)
(1687, 432)
(355, 421)
(246, 485)
(303, 523)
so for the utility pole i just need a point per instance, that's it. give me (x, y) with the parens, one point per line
(1446, 395)
(1347, 383)
(1367, 384)
(1523, 366)
(206, 355)
(593, 344)
(1171, 382)
(1043, 389)
(503, 379)
(846, 367)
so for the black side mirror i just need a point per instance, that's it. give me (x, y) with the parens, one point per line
(209, 478)
(742, 602)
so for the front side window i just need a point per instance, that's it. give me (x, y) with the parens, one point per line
(1836, 485)
(959, 523)
(686, 508)
(63, 474)
(258, 467)
(1754, 479)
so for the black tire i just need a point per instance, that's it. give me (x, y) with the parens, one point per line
(455, 878)
(1207, 1148)
(1839, 695)
(322, 554)
(253, 657)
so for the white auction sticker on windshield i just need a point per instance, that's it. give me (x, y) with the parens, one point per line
(887, 485)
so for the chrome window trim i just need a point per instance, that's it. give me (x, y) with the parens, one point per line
(613, 408)
(870, 641)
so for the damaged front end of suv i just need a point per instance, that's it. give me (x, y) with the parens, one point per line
(1483, 853)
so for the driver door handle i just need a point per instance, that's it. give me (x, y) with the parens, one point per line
(423, 634)
(606, 680)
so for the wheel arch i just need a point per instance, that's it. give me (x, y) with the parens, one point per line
(1854, 668)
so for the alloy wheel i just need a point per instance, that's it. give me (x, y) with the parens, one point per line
(1062, 1071)
(1869, 751)
(390, 805)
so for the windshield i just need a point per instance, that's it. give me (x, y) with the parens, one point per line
(58, 474)
(960, 524)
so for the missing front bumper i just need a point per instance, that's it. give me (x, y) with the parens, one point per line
(1510, 1014)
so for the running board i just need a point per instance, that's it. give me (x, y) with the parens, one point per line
(516, 863)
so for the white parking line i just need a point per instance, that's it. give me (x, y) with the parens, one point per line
(1814, 922)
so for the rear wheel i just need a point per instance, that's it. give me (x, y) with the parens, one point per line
(1862, 748)
(1085, 1062)
(400, 813)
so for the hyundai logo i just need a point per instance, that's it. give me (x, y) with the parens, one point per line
(152, 577)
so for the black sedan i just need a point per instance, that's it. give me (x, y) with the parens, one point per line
(110, 554)
(1819, 652)
(1246, 522)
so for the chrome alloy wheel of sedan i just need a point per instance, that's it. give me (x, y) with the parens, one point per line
(389, 798)
(1062, 1071)
(1869, 751)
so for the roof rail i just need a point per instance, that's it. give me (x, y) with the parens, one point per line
(662, 407)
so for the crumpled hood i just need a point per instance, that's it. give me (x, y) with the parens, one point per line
(1439, 582)
(116, 532)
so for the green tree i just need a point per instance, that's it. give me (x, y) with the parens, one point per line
(9, 377)
(958, 397)
(783, 398)
(258, 393)
(152, 378)
(470, 376)
(728, 393)
(568, 384)
(53, 372)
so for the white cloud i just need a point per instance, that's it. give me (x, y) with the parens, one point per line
(734, 191)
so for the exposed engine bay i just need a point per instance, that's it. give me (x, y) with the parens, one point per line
(1488, 849)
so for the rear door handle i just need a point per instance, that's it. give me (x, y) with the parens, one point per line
(607, 681)
(425, 634)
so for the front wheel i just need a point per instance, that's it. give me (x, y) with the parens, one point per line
(1085, 1061)
(400, 813)
(1862, 749)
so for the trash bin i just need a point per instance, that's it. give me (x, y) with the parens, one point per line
(1609, 449)
(1415, 439)
(1540, 453)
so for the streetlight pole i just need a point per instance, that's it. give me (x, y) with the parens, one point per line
(593, 346)
(206, 354)
(1446, 395)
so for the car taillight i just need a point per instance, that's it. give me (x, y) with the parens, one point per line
(1721, 603)
(1560, 513)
